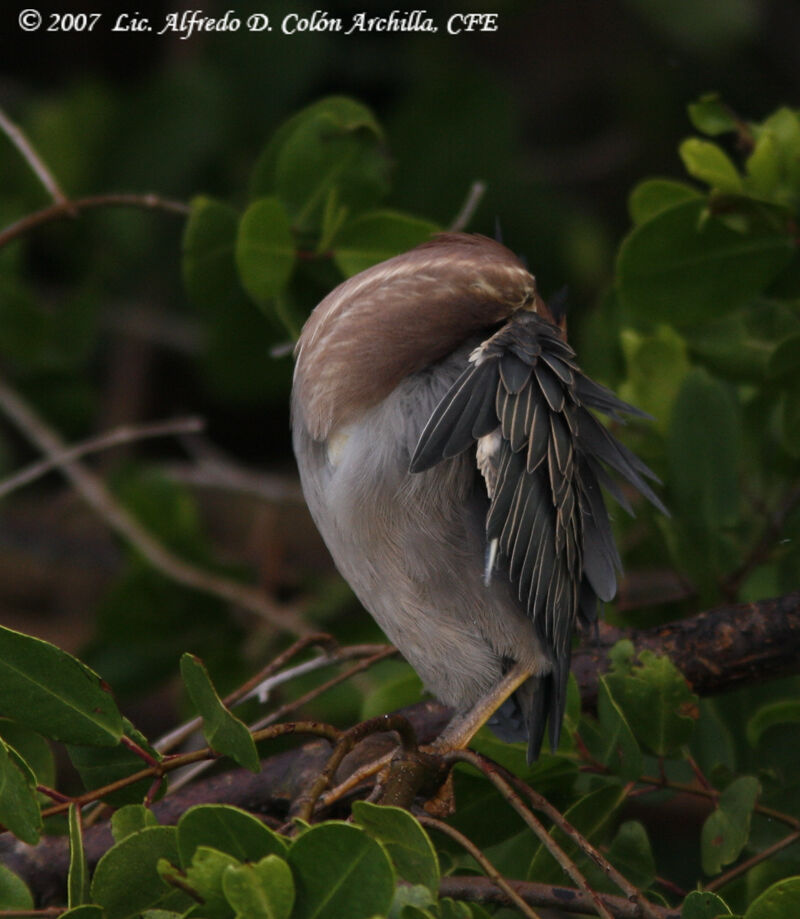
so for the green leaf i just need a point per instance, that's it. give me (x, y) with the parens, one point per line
(727, 829)
(790, 420)
(785, 359)
(611, 741)
(703, 448)
(19, 807)
(205, 878)
(92, 912)
(784, 711)
(225, 733)
(14, 892)
(711, 116)
(706, 161)
(340, 871)
(228, 829)
(265, 250)
(780, 901)
(32, 747)
(671, 269)
(376, 236)
(208, 262)
(656, 365)
(52, 692)
(78, 873)
(630, 852)
(657, 702)
(590, 816)
(126, 878)
(702, 904)
(130, 819)
(408, 845)
(101, 766)
(335, 143)
(261, 891)
(651, 197)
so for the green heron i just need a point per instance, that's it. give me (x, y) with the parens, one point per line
(450, 457)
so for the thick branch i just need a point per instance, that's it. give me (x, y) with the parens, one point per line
(717, 650)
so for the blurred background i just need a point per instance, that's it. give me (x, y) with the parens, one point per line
(559, 112)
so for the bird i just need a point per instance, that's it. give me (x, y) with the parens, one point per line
(451, 457)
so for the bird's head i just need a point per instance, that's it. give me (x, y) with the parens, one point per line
(400, 316)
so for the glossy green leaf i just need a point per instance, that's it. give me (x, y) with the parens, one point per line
(19, 807)
(407, 844)
(709, 163)
(671, 269)
(703, 904)
(265, 250)
(711, 116)
(630, 852)
(78, 872)
(52, 692)
(376, 236)
(130, 819)
(780, 901)
(225, 733)
(727, 829)
(126, 879)
(335, 143)
(14, 892)
(590, 816)
(228, 829)
(101, 766)
(340, 871)
(610, 739)
(264, 890)
(656, 365)
(205, 878)
(651, 197)
(657, 702)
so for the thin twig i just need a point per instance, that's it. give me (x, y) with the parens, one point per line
(747, 864)
(488, 868)
(505, 789)
(95, 493)
(17, 137)
(476, 191)
(540, 803)
(121, 435)
(66, 208)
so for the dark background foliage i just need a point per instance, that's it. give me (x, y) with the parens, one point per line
(560, 112)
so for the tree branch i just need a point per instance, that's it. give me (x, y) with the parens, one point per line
(95, 493)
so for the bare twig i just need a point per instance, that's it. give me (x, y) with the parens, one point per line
(21, 142)
(94, 492)
(505, 789)
(65, 208)
(546, 896)
(488, 868)
(121, 435)
(476, 191)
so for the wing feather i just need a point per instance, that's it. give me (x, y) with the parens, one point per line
(547, 517)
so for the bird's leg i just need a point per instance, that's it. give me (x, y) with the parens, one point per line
(462, 728)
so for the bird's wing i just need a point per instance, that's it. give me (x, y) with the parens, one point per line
(544, 456)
